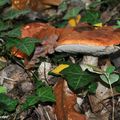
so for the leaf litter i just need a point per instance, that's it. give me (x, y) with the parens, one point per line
(26, 77)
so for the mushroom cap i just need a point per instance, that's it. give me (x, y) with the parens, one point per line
(100, 41)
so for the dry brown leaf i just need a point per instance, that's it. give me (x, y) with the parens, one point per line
(65, 101)
(35, 5)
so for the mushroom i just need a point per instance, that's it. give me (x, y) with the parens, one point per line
(93, 43)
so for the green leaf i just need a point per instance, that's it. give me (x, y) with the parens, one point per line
(76, 77)
(45, 94)
(112, 78)
(12, 14)
(117, 88)
(92, 17)
(4, 26)
(12, 42)
(7, 103)
(118, 22)
(16, 32)
(110, 69)
(3, 89)
(38, 84)
(92, 87)
(26, 45)
(72, 13)
(63, 6)
(3, 2)
(30, 101)
(104, 78)
(116, 26)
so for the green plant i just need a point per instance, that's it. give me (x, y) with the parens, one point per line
(3, 89)
(26, 45)
(91, 17)
(78, 79)
(118, 24)
(10, 30)
(42, 94)
(7, 104)
(110, 77)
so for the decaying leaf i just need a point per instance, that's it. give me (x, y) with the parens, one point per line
(43, 70)
(65, 101)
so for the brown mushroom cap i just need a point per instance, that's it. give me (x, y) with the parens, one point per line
(99, 41)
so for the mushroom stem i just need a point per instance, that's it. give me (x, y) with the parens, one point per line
(88, 60)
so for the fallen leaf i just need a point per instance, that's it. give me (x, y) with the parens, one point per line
(74, 21)
(98, 25)
(17, 53)
(65, 101)
(43, 70)
(59, 68)
(35, 5)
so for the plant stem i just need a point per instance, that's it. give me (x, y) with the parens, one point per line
(113, 100)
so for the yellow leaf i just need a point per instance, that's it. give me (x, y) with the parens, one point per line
(74, 21)
(59, 68)
(98, 25)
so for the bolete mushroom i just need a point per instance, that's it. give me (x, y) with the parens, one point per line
(93, 43)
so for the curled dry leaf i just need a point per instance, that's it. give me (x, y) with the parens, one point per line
(35, 5)
(65, 101)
